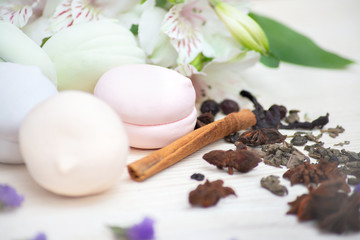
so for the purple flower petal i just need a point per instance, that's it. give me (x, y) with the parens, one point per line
(40, 236)
(142, 231)
(357, 188)
(9, 197)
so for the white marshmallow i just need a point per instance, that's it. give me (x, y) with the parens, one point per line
(74, 144)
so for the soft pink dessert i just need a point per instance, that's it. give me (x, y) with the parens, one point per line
(156, 104)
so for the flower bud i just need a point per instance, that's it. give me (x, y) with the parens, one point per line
(242, 27)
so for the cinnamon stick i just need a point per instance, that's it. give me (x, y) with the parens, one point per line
(190, 143)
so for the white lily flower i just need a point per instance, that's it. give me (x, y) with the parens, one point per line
(19, 12)
(221, 78)
(182, 24)
(155, 43)
(70, 12)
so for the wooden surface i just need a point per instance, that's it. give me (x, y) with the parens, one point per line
(255, 213)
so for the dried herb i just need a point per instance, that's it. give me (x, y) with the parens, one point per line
(334, 132)
(334, 210)
(317, 151)
(272, 183)
(313, 173)
(197, 176)
(342, 143)
(264, 118)
(209, 193)
(204, 119)
(261, 136)
(299, 140)
(320, 122)
(242, 160)
(283, 155)
(292, 117)
(232, 138)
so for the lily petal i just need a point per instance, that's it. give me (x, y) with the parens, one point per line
(222, 78)
(184, 35)
(17, 12)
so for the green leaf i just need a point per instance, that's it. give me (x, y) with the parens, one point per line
(290, 46)
(270, 60)
(44, 41)
(134, 29)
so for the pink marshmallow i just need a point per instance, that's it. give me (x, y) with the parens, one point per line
(156, 104)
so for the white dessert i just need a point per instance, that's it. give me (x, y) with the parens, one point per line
(74, 144)
(22, 87)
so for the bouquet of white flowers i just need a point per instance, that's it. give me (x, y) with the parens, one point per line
(210, 41)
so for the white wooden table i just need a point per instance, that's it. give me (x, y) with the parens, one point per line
(255, 213)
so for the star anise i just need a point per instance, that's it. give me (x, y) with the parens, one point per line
(261, 136)
(330, 205)
(209, 193)
(307, 173)
(241, 160)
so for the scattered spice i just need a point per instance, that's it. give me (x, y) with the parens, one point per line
(209, 193)
(313, 173)
(334, 210)
(264, 119)
(342, 143)
(299, 140)
(320, 122)
(141, 231)
(292, 117)
(210, 106)
(204, 119)
(334, 132)
(232, 138)
(283, 155)
(197, 176)
(261, 136)
(9, 198)
(272, 183)
(241, 160)
(228, 106)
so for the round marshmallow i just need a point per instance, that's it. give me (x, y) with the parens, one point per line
(74, 144)
(156, 104)
(22, 87)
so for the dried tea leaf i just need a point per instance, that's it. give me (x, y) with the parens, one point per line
(197, 176)
(261, 136)
(299, 140)
(342, 143)
(293, 116)
(313, 173)
(209, 193)
(320, 122)
(334, 132)
(265, 118)
(280, 155)
(272, 183)
(242, 160)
